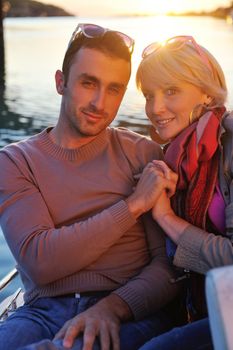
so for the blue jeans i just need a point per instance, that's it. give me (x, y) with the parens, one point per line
(38, 322)
(193, 336)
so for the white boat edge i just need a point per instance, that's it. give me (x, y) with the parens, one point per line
(13, 301)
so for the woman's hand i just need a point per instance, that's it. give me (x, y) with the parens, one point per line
(162, 207)
(162, 212)
(169, 176)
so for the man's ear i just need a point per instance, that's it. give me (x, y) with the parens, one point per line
(60, 83)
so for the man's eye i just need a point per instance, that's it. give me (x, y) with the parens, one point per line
(114, 90)
(88, 83)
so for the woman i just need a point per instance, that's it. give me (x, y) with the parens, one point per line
(185, 92)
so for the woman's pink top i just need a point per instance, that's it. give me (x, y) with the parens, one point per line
(216, 210)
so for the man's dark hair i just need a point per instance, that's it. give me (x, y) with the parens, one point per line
(111, 44)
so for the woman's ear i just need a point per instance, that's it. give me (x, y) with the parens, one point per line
(60, 83)
(208, 100)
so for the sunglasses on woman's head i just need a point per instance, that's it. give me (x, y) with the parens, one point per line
(93, 31)
(182, 40)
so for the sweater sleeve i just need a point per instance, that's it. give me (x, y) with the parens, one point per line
(151, 289)
(36, 244)
(201, 251)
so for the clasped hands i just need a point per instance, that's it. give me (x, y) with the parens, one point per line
(155, 185)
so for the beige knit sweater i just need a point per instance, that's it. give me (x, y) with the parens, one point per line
(64, 217)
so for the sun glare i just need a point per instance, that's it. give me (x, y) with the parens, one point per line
(153, 7)
(159, 7)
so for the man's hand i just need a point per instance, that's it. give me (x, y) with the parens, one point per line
(155, 178)
(102, 321)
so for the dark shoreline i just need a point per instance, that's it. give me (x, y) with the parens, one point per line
(31, 8)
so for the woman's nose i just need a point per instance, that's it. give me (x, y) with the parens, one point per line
(158, 105)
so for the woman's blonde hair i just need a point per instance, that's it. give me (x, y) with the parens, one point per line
(174, 62)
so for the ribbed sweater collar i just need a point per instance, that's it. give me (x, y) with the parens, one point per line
(87, 151)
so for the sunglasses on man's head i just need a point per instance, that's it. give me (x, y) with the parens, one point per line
(93, 31)
(182, 40)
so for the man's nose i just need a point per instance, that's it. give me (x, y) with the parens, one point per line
(98, 100)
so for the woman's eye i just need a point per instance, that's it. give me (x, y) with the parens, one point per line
(170, 91)
(148, 97)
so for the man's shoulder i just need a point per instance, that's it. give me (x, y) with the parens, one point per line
(22, 146)
(135, 146)
(129, 136)
(125, 131)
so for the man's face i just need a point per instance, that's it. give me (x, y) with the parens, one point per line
(94, 91)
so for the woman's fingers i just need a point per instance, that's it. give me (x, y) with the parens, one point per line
(168, 173)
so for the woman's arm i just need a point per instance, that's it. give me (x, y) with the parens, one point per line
(197, 249)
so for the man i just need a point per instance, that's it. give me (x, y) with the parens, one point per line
(73, 221)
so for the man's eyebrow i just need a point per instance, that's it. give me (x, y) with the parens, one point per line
(88, 77)
(96, 80)
(117, 85)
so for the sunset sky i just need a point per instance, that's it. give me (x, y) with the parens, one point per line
(106, 7)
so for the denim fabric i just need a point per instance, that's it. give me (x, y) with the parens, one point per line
(38, 322)
(193, 336)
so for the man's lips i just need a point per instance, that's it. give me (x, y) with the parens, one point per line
(93, 116)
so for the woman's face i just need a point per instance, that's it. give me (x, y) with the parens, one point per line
(169, 109)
